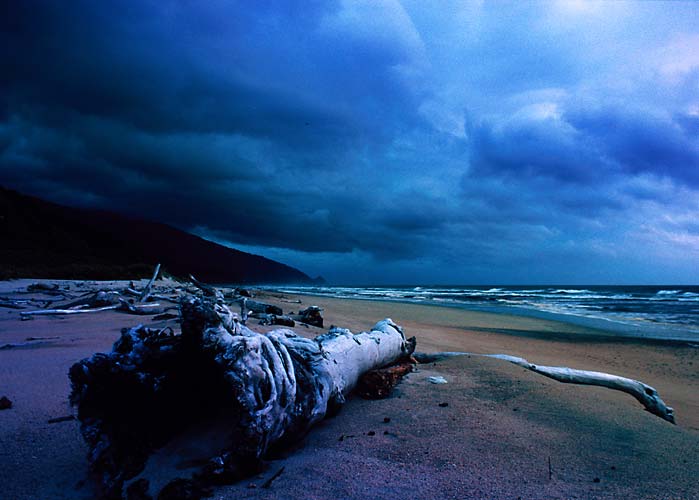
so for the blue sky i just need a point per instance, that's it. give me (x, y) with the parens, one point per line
(373, 141)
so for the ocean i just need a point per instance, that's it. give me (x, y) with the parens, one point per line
(660, 312)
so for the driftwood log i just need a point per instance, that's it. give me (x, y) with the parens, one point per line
(257, 307)
(273, 319)
(644, 394)
(164, 414)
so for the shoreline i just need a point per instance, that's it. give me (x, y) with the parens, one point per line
(666, 365)
(604, 327)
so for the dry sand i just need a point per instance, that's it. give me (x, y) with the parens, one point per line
(493, 439)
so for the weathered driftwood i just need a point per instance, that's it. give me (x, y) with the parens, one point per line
(49, 312)
(175, 299)
(208, 290)
(123, 305)
(311, 316)
(94, 300)
(146, 291)
(645, 394)
(273, 319)
(142, 309)
(43, 287)
(259, 307)
(12, 304)
(205, 406)
(243, 292)
(291, 301)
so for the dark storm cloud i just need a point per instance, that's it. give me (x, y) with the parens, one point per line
(375, 141)
(641, 142)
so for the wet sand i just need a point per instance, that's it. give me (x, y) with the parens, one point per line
(493, 439)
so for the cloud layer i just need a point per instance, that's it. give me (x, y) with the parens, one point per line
(373, 142)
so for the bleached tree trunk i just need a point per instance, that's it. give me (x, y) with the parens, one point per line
(157, 394)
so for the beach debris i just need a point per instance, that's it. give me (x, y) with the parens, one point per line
(438, 379)
(51, 312)
(208, 290)
(273, 319)
(122, 306)
(94, 300)
(12, 304)
(43, 287)
(310, 316)
(5, 403)
(57, 420)
(291, 301)
(143, 309)
(164, 316)
(244, 392)
(644, 394)
(242, 292)
(256, 307)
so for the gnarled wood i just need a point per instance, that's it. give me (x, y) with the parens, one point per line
(219, 390)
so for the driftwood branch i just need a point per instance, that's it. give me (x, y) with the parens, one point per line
(12, 304)
(645, 394)
(123, 305)
(49, 312)
(149, 286)
(208, 290)
(206, 405)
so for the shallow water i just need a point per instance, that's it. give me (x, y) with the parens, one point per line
(663, 312)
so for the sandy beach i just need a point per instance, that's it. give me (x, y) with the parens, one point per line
(504, 432)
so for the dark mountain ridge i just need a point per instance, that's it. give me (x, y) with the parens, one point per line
(46, 240)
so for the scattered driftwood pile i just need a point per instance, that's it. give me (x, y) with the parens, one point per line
(147, 303)
(102, 300)
(166, 415)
